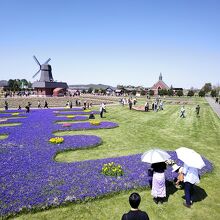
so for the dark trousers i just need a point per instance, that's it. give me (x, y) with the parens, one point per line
(101, 114)
(188, 188)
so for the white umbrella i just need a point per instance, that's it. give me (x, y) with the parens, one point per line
(155, 156)
(190, 157)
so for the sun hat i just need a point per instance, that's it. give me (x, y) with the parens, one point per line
(175, 167)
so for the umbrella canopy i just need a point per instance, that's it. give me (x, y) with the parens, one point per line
(190, 157)
(155, 156)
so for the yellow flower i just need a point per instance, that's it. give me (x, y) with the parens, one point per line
(95, 122)
(70, 116)
(56, 140)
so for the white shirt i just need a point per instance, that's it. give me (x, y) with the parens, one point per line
(191, 174)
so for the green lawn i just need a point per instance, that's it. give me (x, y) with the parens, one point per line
(10, 124)
(138, 132)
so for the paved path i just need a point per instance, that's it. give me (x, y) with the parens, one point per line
(215, 106)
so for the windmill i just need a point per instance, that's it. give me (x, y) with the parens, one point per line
(46, 71)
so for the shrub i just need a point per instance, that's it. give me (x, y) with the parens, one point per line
(56, 140)
(112, 169)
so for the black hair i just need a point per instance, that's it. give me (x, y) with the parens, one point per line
(177, 170)
(134, 200)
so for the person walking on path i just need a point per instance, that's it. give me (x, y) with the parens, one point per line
(45, 104)
(215, 106)
(38, 104)
(135, 213)
(27, 108)
(6, 105)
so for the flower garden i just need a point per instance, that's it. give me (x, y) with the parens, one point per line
(31, 178)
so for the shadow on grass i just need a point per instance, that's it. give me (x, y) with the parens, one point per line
(170, 189)
(198, 194)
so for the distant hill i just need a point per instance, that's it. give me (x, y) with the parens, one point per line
(94, 86)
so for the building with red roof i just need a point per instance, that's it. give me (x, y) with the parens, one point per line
(160, 84)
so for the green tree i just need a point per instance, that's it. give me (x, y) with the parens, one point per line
(160, 92)
(23, 83)
(213, 93)
(10, 84)
(151, 92)
(207, 87)
(90, 90)
(201, 93)
(165, 92)
(170, 92)
(190, 93)
(143, 92)
(29, 84)
(103, 91)
(133, 92)
(179, 93)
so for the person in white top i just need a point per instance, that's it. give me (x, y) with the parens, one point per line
(191, 177)
(182, 112)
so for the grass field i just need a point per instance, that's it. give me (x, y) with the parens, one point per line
(138, 132)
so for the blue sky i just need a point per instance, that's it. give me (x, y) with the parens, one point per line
(112, 41)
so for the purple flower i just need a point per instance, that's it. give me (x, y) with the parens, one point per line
(31, 178)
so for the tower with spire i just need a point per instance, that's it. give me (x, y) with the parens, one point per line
(160, 84)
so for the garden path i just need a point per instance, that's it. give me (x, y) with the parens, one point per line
(215, 106)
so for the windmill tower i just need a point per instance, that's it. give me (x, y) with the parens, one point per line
(46, 71)
(46, 86)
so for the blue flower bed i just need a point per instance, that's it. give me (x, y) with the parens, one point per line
(30, 178)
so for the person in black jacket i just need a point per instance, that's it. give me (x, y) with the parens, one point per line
(135, 213)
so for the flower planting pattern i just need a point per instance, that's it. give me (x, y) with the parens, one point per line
(30, 178)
